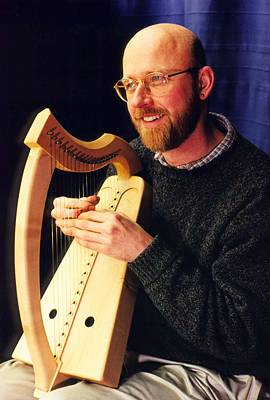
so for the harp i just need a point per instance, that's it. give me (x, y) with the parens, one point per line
(85, 335)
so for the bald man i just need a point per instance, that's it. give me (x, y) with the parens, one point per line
(201, 323)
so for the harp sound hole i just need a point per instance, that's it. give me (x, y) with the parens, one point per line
(89, 321)
(53, 313)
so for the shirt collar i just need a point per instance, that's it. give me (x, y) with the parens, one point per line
(221, 148)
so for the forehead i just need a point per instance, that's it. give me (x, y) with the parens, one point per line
(155, 51)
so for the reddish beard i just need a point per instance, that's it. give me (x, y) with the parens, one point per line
(167, 135)
(157, 138)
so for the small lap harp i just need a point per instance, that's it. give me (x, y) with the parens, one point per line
(80, 326)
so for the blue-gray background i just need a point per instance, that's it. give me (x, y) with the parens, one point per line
(68, 56)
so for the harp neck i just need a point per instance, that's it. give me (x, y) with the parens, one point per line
(76, 155)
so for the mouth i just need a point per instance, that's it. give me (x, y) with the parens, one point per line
(151, 118)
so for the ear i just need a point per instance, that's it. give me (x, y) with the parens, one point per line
(206, 80)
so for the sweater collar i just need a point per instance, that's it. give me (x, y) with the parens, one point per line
(221, 148)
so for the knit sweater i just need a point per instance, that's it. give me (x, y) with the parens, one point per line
(205, 279)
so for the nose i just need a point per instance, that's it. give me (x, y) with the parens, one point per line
(141, 96)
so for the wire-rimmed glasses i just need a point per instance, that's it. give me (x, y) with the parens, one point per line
(155, 83)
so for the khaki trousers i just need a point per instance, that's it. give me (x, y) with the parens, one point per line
(168, 382)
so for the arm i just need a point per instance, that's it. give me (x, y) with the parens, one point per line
(220, 306)
(221, 311)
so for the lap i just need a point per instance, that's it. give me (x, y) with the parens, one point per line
(16, 381)
(170, 382)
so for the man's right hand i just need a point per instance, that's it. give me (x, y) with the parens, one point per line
(67, 207)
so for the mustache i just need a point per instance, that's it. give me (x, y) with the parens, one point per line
(139, 112)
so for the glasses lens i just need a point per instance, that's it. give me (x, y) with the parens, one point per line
(121, 89)
(155, 79)
(157, 83)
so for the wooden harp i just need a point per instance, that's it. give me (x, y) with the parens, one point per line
(85, 336)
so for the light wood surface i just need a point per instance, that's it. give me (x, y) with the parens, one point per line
(80, 327)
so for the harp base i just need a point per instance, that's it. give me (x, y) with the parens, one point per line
(90, 352)
(58, 379)
(38, 393)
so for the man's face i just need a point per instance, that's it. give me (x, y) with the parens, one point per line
(174, 128)
(163, 122)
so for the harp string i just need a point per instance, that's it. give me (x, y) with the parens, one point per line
(77, 185)
(54, 233)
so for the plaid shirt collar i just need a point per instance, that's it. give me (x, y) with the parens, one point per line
(223, 146)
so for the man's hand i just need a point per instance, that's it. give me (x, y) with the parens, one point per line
(67, 207)
(107, 232)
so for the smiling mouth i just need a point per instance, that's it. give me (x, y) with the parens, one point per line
(150, 118)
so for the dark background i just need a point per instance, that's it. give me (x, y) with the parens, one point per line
(67, 56)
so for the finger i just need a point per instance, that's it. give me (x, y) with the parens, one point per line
(69, 202)
(82, 234)
(65, 222)
(75, 223)
(65, 228)
(65, 207)
(88, 236)
(94, 199)
(84, 225)
(68, 231)
(95, 246)
(93, 215)
(65, 213)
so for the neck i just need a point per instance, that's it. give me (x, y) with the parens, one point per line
(201, 142)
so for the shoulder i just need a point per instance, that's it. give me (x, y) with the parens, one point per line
(248, 186)
(248, 148)
(248, 163)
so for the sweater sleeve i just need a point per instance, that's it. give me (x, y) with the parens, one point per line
(219, 308)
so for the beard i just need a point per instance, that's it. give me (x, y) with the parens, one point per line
(167, 135)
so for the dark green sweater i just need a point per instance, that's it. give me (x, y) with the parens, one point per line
(205, 296)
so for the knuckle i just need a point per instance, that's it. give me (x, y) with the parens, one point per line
(66, 230)
(116, 218)
(114, 224)
(111, 230)
(59, 200)
(109, 241)
(70, 213)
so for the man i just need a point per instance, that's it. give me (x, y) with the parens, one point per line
(202, 316)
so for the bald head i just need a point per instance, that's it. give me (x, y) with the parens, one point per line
(171, 40)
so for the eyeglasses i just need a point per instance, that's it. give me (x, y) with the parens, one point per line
(155, 83)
